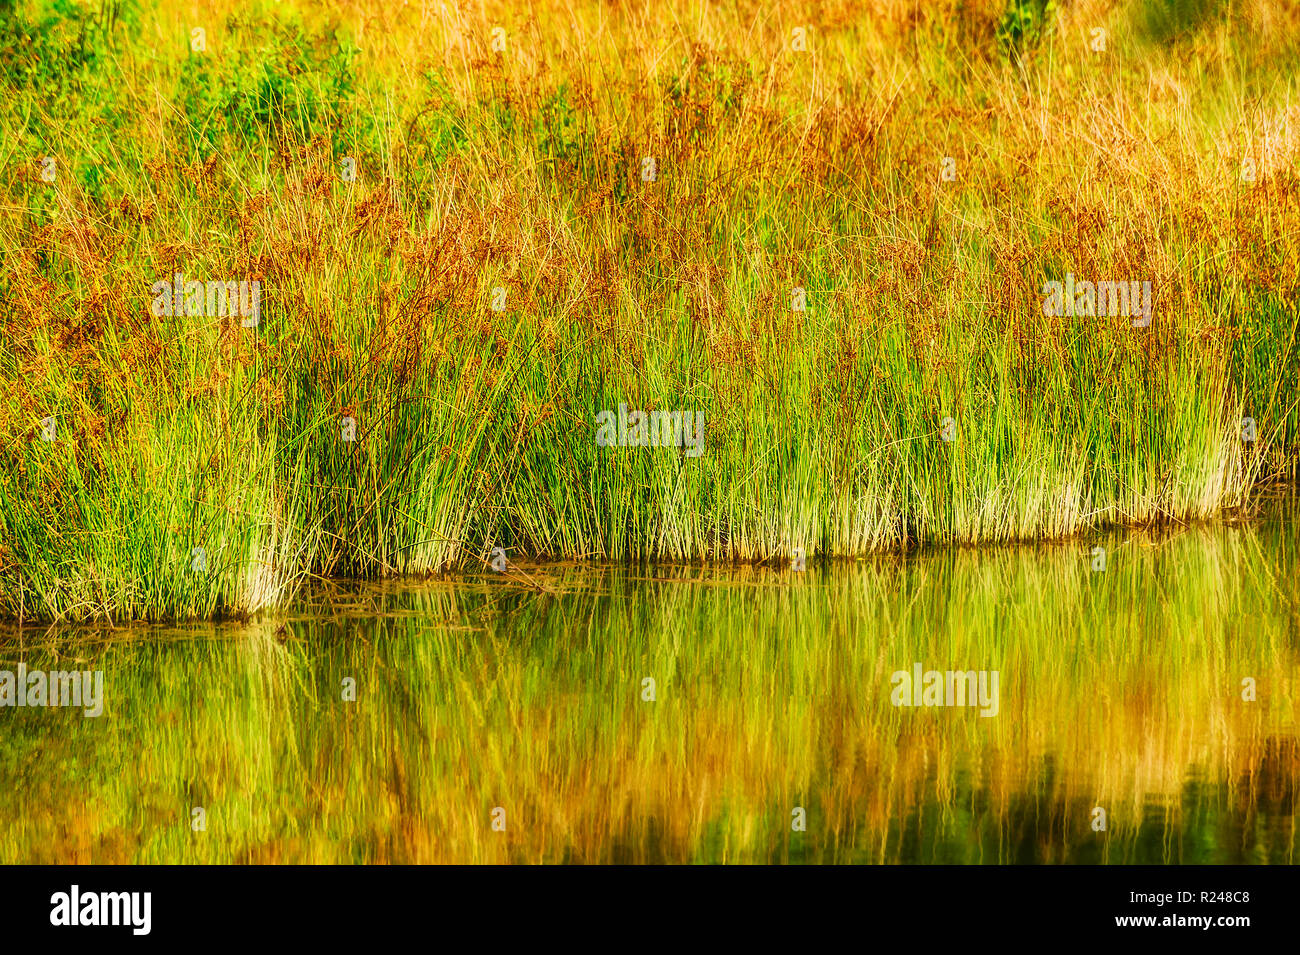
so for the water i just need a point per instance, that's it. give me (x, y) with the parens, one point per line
(523, 703)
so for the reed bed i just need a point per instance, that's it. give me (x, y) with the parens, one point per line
(509, 169)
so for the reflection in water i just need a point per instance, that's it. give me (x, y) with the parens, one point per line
(1120, 690)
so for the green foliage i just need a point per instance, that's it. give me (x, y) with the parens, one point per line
(1024, 24)
(1167, 20)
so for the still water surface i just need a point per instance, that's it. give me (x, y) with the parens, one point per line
(525, 703)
